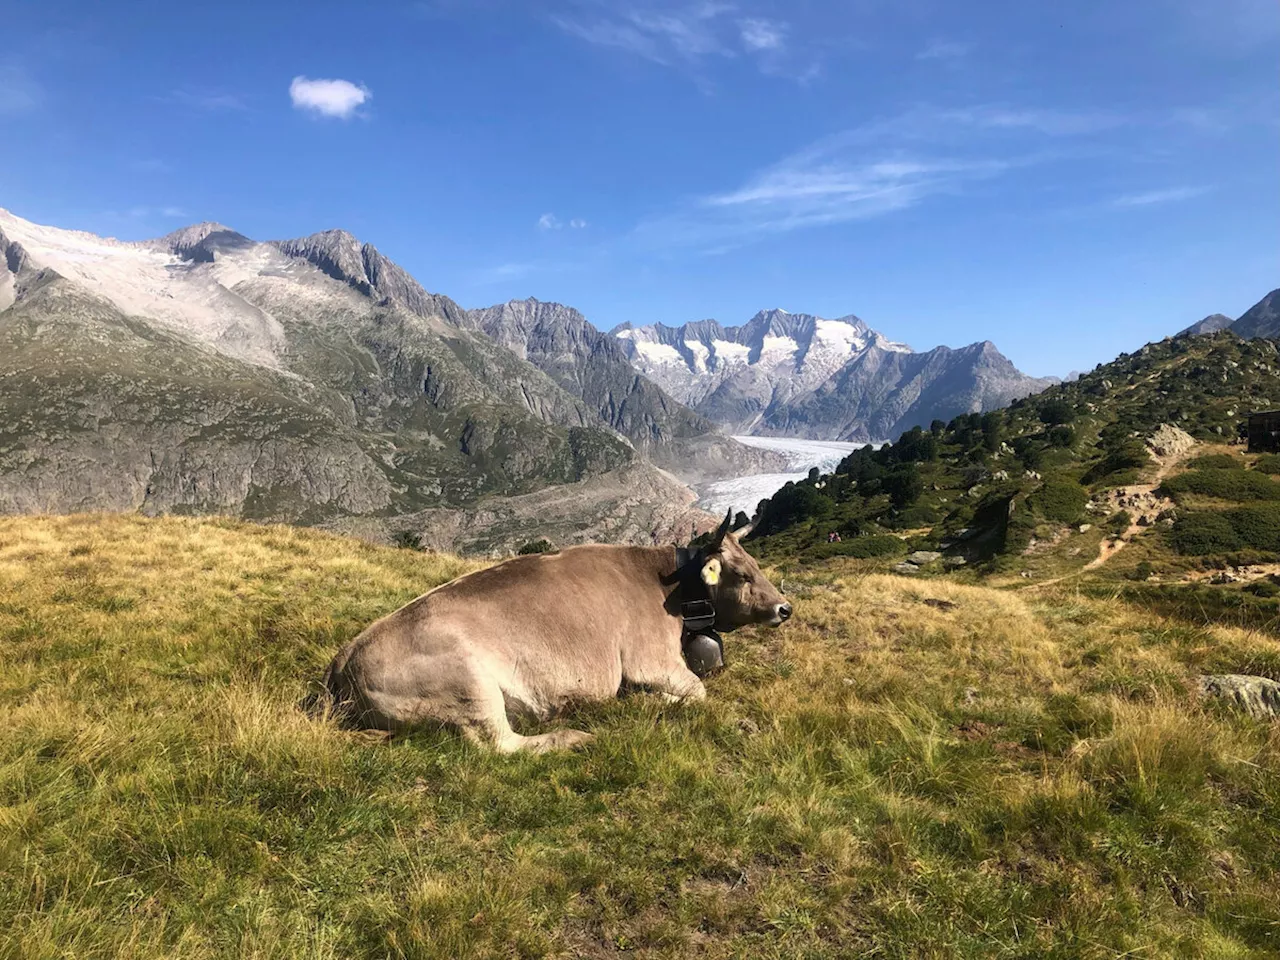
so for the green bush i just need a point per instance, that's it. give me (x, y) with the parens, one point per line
(1216, 461)
(1120, 521)
(541, 545)
(1257, 526)
(1056, 412)
(1268, 463)
(1060, 500)
(1263, 588)
(1238, 485)
(1201, 534)
(1062, 435)
(863, 548)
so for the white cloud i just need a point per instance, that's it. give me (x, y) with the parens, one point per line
(173, 212)
(331, 98)
(19, 93)
(577, 223)
(1154, 197)
(939, 49)
(758, 34)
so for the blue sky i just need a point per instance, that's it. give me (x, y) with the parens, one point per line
(1068, 180)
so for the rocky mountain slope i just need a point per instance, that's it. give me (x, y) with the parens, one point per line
(1260, 320)
(594, 367)
(1210, 324)
(791, 374)
(1056, 480)
(308, 380)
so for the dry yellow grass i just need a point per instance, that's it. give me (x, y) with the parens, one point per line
(909, 769)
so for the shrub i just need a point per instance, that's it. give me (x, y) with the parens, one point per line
(1216, 461)
(407, 540)
(793, 503)
(862, 548)
(1060, 500)
(1263, 588)
(1201, 534)
(1143, 571)
(903, 485)
(1120, 521)
(541, 545)
(1057, 411)
(1238, 485)
(1062, 435)
(1268, 463)
(1257, 526)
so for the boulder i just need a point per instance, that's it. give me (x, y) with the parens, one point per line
(921, 557)
(1258, 696)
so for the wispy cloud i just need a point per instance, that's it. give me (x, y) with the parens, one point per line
(19, 92)
(549, 221)
(329, 98)
(759, 34)
(687, 35)
(876, 169)
(1056, 123)
(939, 49)
(505, 271)
(1151, 198)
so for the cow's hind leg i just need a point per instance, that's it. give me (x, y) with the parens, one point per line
(490, 726)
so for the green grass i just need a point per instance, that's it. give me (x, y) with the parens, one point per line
(987, 774)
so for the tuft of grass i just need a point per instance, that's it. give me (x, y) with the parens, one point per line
(910, 768)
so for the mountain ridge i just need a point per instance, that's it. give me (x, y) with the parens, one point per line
(797, 374)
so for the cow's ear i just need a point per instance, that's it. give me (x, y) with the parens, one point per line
(723, 529)
(711, 572)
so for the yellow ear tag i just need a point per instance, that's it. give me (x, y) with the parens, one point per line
(711, 573)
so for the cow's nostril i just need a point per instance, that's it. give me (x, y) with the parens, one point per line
(784, 611)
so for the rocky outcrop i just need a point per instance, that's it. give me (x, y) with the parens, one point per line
(1257, 696)
(362, 267)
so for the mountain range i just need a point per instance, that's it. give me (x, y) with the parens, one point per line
(794, 374)
(308, 380)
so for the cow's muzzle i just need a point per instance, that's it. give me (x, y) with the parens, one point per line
(781, 613)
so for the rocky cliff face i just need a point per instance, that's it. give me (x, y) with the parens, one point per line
(788, 374)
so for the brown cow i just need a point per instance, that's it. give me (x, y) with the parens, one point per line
(535, 633)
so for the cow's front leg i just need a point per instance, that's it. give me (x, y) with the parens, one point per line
(679, 685)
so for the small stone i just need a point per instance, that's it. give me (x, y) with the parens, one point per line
(953, 563)
(1258, 696)
(905, 567)
(1085, 527)
(939, 603)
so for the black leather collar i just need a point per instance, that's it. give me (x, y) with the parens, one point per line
(696, 609)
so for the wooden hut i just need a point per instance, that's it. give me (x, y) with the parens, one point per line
(1264, 432)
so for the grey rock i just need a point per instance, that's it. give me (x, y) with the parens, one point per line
(922, 557)
(1258, 696)
(906, 567)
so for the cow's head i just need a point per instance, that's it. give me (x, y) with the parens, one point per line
(741, 593)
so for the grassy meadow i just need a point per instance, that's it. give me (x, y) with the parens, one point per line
(911, 768)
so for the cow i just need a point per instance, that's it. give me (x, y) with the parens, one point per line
(536, 633)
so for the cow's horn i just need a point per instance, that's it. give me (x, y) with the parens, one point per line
(722, 530)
